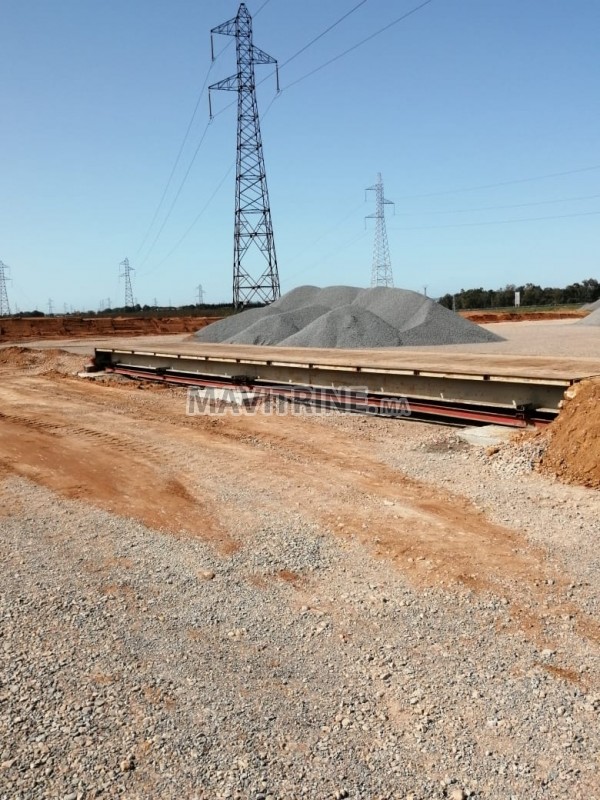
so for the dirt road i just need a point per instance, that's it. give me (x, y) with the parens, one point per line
(396, 498)
(108, 442)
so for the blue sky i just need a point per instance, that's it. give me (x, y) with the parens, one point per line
(97, 97)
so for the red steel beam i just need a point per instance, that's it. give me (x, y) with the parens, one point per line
(441, 409)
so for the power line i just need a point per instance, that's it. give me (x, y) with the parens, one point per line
(256, 13)
(176, 163)
(340, 55)
(206, 205)
(359, 44)
(326, 233)
(177, 194)
(302, 49)
(218, 113)
(502, 183)
(496, 222)
(498, 208)
(184, 141)
(192, 225)
(326, 257)
(179, 154)
(22, 291)
(323, 33)
(229, 105)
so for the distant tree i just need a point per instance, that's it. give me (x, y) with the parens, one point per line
(586, 291)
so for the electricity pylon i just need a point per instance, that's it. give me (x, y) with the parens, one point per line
(200, 291)
(4, 306)
(381, 271)
(127, 270)
(255, 272)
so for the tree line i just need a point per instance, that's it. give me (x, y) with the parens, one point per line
(137, 310)
(586, 291)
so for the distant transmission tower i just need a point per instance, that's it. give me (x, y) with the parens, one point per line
(127, 270)
(255, 273)
(4, 306)
(381, 272)
(201, 294)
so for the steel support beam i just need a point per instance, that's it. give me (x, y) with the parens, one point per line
(503, 392)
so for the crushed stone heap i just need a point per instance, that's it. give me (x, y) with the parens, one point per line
(347, 317)
(591, 306)
(592, 319)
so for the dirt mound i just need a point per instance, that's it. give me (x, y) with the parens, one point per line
(347, 317)
(39, 362)
(17, 357)
(573, 440)
(482, 317)
(16, 329)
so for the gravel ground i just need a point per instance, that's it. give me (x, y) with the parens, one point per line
(138, 664)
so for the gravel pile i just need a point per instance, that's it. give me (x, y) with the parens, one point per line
(593, 319)
(347, 317)
(591, 306)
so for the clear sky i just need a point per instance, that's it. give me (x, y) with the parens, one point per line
(97, 96)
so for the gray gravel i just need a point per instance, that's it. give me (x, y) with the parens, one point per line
(347, 317)
(348, 326)
(592, 306)
(592, 319)
(135, 664)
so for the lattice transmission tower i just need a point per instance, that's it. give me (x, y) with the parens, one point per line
(4, 306)
(255, 272)
(381, 271)
(126, 274)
